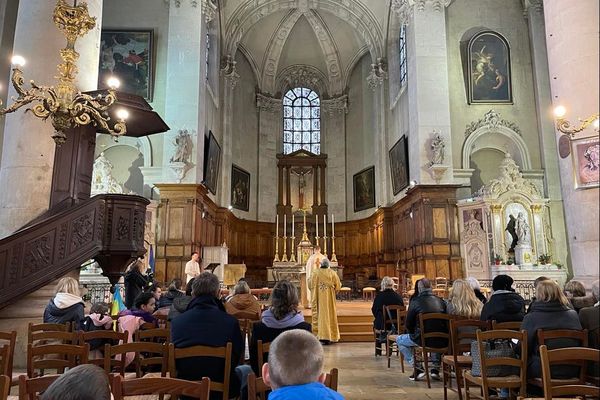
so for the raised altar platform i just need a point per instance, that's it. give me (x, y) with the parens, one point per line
(530, 272)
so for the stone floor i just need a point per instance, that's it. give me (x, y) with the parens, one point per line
(362, 376)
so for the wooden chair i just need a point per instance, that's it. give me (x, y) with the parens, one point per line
(420, 353)
(8, 341)
(561, 356)
(331, 379)
(146, 356)
(36, 332)
(368, 293)
(109, 335)
(486, 382)
(387, 325)
(546, 338)
(159, 386)
(413, 280)
(257, 388)
(55, 356)
(512, 325)
(391, 345)
(462, 332)
(261, 350)
(163, 321)
(4, 387)
(204, 351)
(440, 288)
(156, 335)
(30, 388)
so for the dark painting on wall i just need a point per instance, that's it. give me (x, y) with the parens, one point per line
(127, 55)
(240, 188)
(399, 165)
(489, 76)
(364, 189)
(212, 159)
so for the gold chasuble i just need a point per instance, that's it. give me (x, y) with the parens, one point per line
(323, 283)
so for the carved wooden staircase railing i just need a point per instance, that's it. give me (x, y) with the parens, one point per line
(108, 228)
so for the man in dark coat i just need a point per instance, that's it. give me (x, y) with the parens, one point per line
(426, 302)
(386, 297)
(590, 320)
(205, 322)
(504, 305)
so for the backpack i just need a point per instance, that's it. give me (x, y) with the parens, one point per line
(95, 344)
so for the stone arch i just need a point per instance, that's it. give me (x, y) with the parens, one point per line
(305, 76)
(351, 11)
(142, 144)
(500, 138)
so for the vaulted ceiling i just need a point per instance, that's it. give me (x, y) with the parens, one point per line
(328, 35)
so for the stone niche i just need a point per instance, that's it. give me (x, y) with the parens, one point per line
(505, 218)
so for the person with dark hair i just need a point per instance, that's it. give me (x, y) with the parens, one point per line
(425, 302)
(83, 382)
(135, 282)
(205, 322)
(282, 315)
(174, 291)
(98, 320)
(192, 267)
(504, 305)
(181, 303)
(143, 307)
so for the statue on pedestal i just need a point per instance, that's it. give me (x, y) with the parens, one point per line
(523, 231)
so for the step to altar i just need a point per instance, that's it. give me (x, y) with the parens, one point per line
(354, 320)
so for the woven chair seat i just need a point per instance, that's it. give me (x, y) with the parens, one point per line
(511, 381)
(461, 360)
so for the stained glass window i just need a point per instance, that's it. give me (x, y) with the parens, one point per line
(301, 121)
(403, 66)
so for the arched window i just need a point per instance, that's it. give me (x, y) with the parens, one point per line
(402, 45)
(301, 121)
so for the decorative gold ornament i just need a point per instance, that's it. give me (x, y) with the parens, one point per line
(64, 104)
(564, 125)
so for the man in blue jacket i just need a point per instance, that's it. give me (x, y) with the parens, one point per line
(205, 322)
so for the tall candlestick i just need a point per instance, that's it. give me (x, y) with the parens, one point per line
(325, 225)
(277, 225)
(332, 225)
(317, 225)
(293, 225)
(284, 225)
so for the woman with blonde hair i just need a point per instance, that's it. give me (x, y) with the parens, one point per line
(66, 305)
(463, 302)
(550, 311)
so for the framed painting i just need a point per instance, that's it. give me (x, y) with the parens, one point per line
(364, 189)
(489, 76)
(586, 162)
(129, 56)
(240, 188)
(399, 165)
(212, 160)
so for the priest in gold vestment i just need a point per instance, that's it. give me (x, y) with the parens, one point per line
(324, 283)
(313, 263)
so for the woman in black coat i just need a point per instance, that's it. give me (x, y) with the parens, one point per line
(66, 305)
(135, 283)
(386, 297)
(550, 311)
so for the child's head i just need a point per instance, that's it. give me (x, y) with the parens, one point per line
(295, 358)
(99, 308)
(85, 381)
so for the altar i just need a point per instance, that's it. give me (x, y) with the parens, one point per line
(506, 229)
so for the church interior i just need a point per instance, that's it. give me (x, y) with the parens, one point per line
(435, 141)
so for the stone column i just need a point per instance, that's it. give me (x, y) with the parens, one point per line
(28, 149)
(323, 194)
(288, 187)
(185, 93)
(231, 78)
(333, 139)
(280, 185)
(549, 156)
(269, 125)
(572, 44)
(429, 105)
(315, 187)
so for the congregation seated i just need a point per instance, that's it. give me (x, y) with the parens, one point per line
(83, 382)
(474, 283)
(67, 305)
(590, 320)
(422, 302)
(551, 311)
(143, 307)
(180, 303)
(504, 305)
(99, 319)
(294, 368)
(463, 302)
(243, 305)
(205, 322)
(575, 292)
(173, 292)
(281, 316)
(386, 297)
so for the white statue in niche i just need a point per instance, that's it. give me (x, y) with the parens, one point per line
(183, 147)
(523, 230)
(102, 179)
(438, 149)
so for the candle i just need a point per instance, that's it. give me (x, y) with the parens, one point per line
(325, 225)
(317, 224)
(332, 226)
(277, 226)
(292, 225)
(284, 225)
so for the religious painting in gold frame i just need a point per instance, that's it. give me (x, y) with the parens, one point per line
(364, 189)
(488, 64)
(240, 188)
(399, 165)
(586, 162)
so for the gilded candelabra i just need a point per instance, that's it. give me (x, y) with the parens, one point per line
(564, 126)
(284, 258)
(333, 256)
(276, 258)
(293, 250)
(64, 104)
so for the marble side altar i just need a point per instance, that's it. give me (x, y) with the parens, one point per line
(530, 272)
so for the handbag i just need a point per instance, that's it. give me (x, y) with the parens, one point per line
(383, 334)
(493, 349)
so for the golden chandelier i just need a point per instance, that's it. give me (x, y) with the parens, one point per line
(64, 104)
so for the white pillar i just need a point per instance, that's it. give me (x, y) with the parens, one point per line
(429, 103)
(185, 94)
(269, 117)
(572, 43)
(28, 149)
(230, 82)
